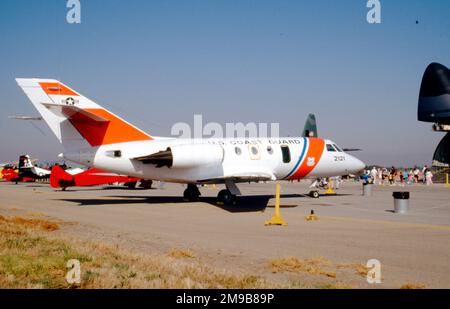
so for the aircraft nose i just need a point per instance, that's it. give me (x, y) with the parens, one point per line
(356, 165)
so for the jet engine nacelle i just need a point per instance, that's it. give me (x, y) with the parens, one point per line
(192, 155)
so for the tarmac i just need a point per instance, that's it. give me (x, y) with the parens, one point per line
(413, 248)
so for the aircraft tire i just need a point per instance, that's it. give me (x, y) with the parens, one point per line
(314, 194)
(146, 184)
(131, 184)
(225, 197)
(190, 194)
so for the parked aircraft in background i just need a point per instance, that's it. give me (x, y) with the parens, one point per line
(25, 171)
(60, 178)
(434, 106)
(310, 129)
(95, 137)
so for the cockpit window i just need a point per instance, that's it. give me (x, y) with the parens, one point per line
(330, 148)
(337, 148)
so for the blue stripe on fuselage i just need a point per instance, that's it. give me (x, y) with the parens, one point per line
(300, 159)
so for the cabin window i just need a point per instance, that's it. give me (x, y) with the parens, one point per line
(254, 150)
(237, 150)
(286, 153)
(330, 148)
(117, 153)
(337, 148)
(269, 150)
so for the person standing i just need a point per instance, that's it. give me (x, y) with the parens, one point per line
(424, 173)
(416, 175)
(410, 177)
(428, 177)
(336, 182)
(401, 177)
(405, 176)
(374, 174)
(385, 174)
(392, 176)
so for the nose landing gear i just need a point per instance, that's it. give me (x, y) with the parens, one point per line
(191, 193)
(314, 194)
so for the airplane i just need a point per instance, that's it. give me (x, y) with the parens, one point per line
(25, 172)
(61, 178)
(434, 107)
(95, 137)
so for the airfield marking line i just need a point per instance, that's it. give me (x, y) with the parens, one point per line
(392, 223)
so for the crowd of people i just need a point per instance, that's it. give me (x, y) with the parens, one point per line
(393, 176)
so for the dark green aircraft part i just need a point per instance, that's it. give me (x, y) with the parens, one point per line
(310, 129)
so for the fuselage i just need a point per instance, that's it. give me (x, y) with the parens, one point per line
(288, 158)
(95, 137)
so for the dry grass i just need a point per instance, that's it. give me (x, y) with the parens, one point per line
(360, 269)
(413, 286)
(181, 253)
(35, 214)
(41, 224)
(317, 266)
(32, 256)
(313, 266)
(335, 286)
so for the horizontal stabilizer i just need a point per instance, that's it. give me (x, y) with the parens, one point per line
(74, 113)
(37, 118)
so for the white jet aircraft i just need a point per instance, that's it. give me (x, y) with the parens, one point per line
(95, 137)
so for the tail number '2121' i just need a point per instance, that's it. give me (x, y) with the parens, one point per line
(339, 158)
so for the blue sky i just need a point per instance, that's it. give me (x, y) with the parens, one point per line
(156, 63)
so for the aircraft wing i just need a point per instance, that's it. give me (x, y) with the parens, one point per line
(40, 171)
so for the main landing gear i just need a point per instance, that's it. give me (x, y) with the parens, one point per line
(225, 197)
(228, 196)
(191, 193)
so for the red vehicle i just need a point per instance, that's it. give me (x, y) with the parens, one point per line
(60, 178)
